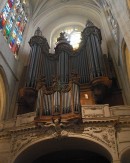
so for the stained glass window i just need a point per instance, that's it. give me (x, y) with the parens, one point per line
(13, 20)
(73, 35)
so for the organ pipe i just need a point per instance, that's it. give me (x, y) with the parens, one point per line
(38, 45)
(63, 49)
(92, 40)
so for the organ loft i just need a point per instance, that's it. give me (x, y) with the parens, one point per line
(57, 85)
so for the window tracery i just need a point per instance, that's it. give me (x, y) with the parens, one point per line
(72, 33)
(13, 20)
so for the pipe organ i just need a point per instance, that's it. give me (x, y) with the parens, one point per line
(54, 82)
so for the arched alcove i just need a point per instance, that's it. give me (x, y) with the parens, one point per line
(50, 147)
(126, 58)
(3, 94)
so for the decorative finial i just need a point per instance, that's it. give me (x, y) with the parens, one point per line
(89, 23)
(62, 38)
(38, 32)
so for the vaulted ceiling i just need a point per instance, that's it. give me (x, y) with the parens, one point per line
(56, 9)
(41, 5)
(50, 15)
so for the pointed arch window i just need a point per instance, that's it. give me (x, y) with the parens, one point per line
(13, 19)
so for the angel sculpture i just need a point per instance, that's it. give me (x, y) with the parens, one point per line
(58, 126)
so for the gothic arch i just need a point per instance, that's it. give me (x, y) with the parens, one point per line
(126, 58)
(48, 145)
(3, 94)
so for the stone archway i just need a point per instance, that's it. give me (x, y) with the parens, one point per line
(73, 144)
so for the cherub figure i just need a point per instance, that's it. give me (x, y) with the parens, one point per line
(58, 126)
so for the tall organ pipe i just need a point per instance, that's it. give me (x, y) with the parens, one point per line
(63, 49)
(39, 46)
(92, 40)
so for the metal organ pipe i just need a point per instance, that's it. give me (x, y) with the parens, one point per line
(61, 67)
(95, 55)
(85, 67)
(67, 68)
(30, 66)
(37, 75)
(94, 58)
(37, 43)
(34, 75)
(101, 61)
(41, 103)
(90, 58)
